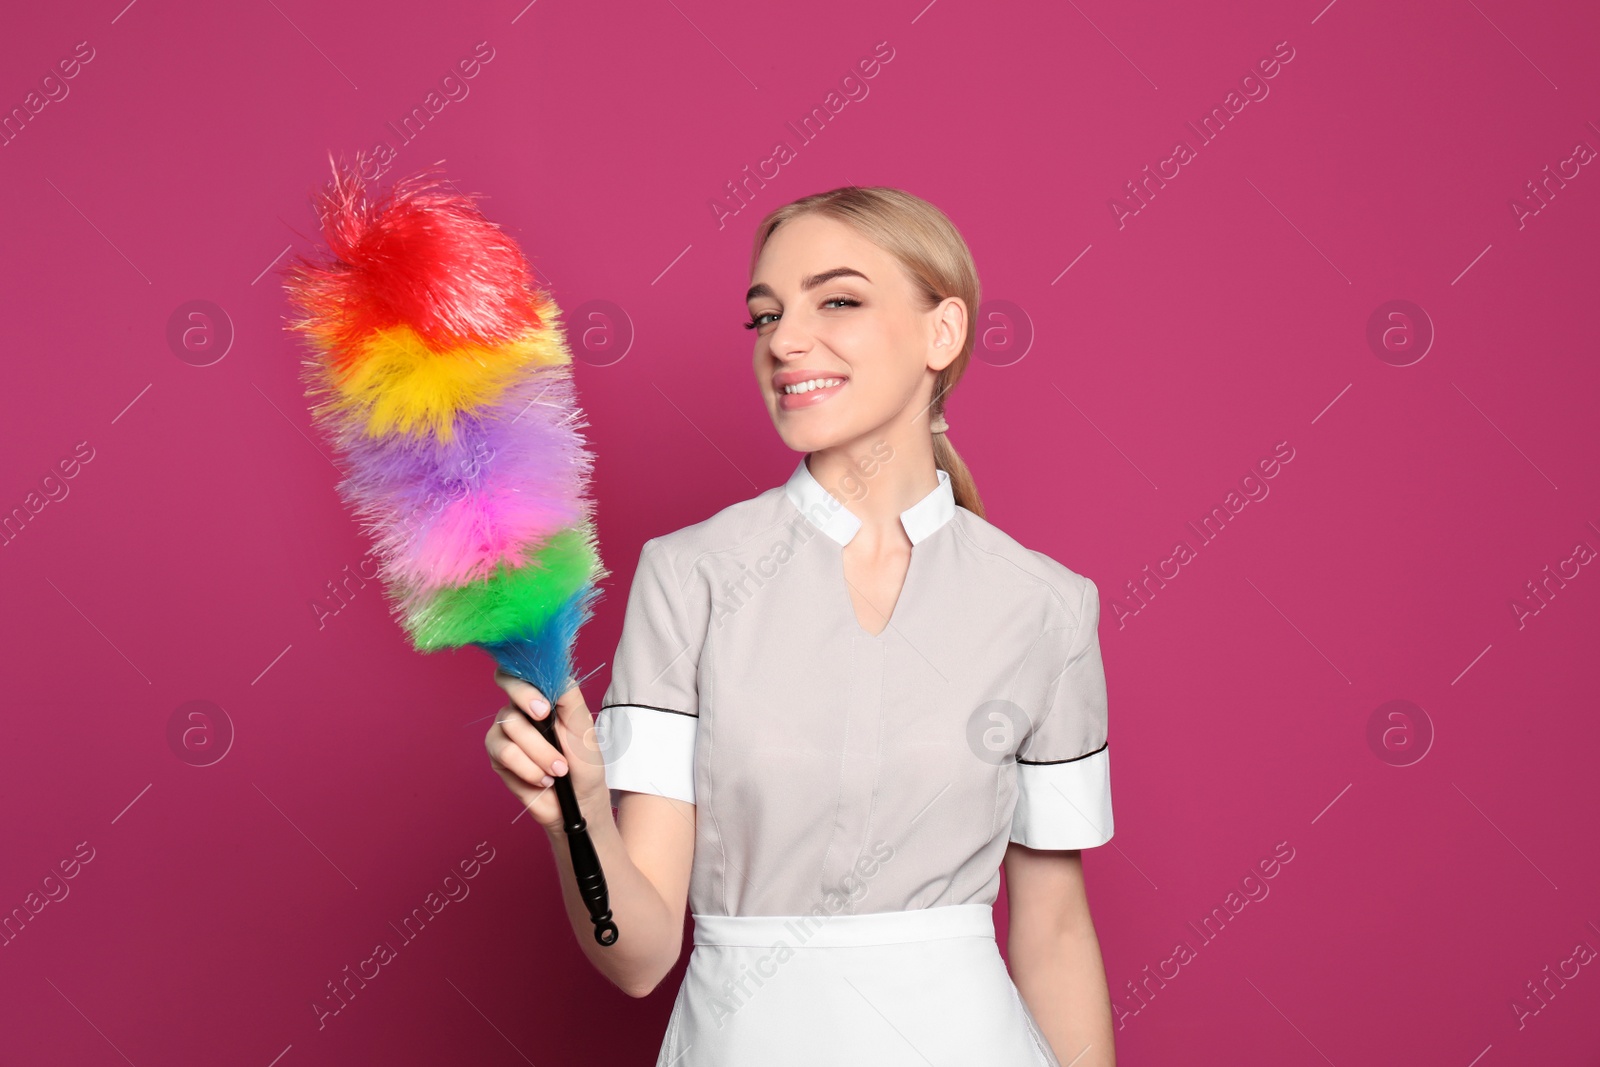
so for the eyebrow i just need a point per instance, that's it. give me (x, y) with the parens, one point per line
(807, 284)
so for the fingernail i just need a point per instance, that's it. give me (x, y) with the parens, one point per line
(559, 766)
(547, 781)
(540, 709)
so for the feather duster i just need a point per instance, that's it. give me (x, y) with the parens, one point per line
(441, 376)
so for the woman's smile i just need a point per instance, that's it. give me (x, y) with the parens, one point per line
(797, 391)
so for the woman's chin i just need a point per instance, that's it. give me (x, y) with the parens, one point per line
(811, 438)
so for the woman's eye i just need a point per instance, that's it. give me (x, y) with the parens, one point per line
(758, 321)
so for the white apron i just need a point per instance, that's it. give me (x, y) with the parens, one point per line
(919, 987)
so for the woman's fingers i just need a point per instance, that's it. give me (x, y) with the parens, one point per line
(508, 758)
(522, 774)
(523, 694)
(575, 726)
(574, 731)
(529, 764)
(573, 718)
(526, 739)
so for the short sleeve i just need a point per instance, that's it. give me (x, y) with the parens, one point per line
(649, 716)
(1063, 763)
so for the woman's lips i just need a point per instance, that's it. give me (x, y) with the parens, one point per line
(810, 398)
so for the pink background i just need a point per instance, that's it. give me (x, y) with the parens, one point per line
(1112, 403)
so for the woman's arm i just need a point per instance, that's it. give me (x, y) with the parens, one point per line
(646, 860)
(1055, 955)
(646, 854)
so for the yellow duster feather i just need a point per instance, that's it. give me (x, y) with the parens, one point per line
(398, 384)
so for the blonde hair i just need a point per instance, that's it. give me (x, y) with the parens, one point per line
(937, 260)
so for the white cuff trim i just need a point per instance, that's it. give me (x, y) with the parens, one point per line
(647, 750)
(1064, 805)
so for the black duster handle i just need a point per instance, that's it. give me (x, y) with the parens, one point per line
(585, 861)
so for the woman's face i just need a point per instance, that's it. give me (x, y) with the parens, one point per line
(829, 306)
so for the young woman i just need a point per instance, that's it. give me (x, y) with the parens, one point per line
(839, 706)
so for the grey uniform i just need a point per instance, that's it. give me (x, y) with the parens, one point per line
(836, 769)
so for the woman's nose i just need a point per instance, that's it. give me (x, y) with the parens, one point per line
(789, 341)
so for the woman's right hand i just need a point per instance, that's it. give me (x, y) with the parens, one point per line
(529, 764)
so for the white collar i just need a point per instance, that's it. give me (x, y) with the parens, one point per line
(838, 522)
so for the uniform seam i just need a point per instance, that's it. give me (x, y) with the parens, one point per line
(1011, 682)
(1047, 701)
(704, 552)
(705, 663)
(709, 807)
(995, 805)
(676, 614)
(1053, 690)
(877, 762)
(1055, 680)
(1036, 579)
(709, 658)
(1075, 627)
(844, 752)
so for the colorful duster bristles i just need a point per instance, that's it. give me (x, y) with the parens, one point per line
(442, 378)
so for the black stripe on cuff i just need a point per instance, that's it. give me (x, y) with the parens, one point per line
(652, 707)
(1071, 759)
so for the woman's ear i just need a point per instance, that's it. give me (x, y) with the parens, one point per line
(949, 330)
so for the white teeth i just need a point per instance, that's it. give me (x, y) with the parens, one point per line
(814, 383)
